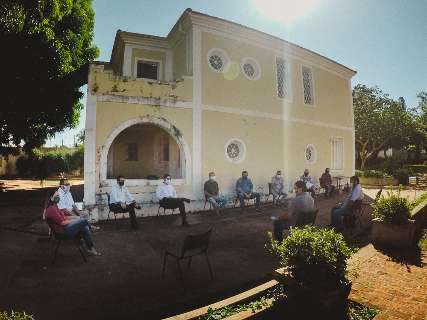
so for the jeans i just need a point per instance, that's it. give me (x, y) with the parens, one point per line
(329, 189)
(218, 201)
(278, 226)
(336, 216)
(79, 226)
(252, 195)
(117, 208)
(173, 203)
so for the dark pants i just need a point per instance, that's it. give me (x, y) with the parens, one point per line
(329, 189)
(117, 208)
(79, 226)
(253, 195)
(173, 203)
(278, 226)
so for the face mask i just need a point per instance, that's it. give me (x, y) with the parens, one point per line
(66, 188)
(56, 199)
(213, 178)
(121, 183)
(278, 175)
(168, 181)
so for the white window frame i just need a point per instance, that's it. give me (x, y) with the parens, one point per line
(312, 85)
(332, 140)
(255, 64)
(289, 97)
(224, 55)
(159, 69)
(242, 157)
(314, 160)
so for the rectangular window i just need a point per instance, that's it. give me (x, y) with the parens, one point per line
(307, 82)
(337, 145)
(147, 70)
(132, 152)
(282, 73)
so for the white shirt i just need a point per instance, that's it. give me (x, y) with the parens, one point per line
(165, 191)
(66, 200)
(355, 194)
(120, 194)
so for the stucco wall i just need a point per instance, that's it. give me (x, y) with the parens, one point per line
(180, 59)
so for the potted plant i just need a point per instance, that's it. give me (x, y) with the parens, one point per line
(392, 224)
(315, 262)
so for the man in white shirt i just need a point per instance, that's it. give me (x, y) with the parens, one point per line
(66, 202)
(166, 194)
(121, 201)
(346, 208)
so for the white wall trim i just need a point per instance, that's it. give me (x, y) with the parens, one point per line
(256, 65)
(127, 61)
(142, 182)
(313, 147)
(144, 101)
(183, 146)
(242, 157)
(353, 132)
(225, 57)
(332, 139)
(159, 70)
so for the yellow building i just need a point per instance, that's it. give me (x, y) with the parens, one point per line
(213, 95)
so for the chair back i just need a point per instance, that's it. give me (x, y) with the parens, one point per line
(270, 188)
(305, 218)
(196, 243)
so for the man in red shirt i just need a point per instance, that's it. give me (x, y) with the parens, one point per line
(69, 226)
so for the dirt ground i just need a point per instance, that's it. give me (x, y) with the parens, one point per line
(125, 282)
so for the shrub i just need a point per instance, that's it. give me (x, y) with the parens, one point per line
(396, 161)
(374, 174)
(13, 315)
(315, 258)
(359, 173)
(403, 175)
(392, 209)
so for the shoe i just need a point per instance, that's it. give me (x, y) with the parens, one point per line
(258, 210)
(94, 252)
(187, 200)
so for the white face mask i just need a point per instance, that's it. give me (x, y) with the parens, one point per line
(66, 188)
(168, 181)
(212, 177)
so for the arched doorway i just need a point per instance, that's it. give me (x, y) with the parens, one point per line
(144, 151)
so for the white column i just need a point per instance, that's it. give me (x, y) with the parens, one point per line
(353, 132)
(90, 140)
(197, 113)
(169, 65)
(127, 61)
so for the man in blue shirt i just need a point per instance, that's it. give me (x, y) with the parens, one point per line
(244, 190)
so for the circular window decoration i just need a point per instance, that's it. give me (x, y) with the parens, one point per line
(218, 60)
(251, 68)
(310, 154)
(235, 150)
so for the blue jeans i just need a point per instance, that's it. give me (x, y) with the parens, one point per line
(336, 216)
(80, 226)
(218, 201)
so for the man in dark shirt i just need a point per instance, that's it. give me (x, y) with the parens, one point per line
(326, 183)
(211, 190)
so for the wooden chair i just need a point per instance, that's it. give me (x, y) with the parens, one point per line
(194, 244)
(351, 220)
(61, 237)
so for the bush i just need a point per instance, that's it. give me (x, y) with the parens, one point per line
(403, 175)
(359, 173)
(396, 161)
(418, 168)
(392, 209)
(315, 258)
(15, 316)
(374, 174)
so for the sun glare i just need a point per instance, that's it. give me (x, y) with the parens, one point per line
(285, 11)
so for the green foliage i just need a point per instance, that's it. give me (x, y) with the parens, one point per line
(13, 315)
(392, 208)
(315, 258)
(422, 243)
(42, 163)
(418, 168)
(374, 174)
(49, 47)
(419, 200)
(359, 173)
(395, 162)
(360, 312)
(403, 175)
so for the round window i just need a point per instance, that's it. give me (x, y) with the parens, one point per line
(251, 69)
(310, 154)
(217, 60)
(235, 150)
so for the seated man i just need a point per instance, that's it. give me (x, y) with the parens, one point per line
(121, 201)
(278, 187)
(244, 191)
(309, 184)
(302, 202)
(346, 207)
(70, 227)
(211, 190)
(166, 194)
(326, 183)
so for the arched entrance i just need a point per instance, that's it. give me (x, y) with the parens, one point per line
(144, 149)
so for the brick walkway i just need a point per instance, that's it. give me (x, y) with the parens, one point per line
(395, 287)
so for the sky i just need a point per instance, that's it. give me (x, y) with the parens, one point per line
(385, 41)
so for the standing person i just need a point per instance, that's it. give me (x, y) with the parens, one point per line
(211, 190)
(345, 208)
(309, 184)
(326, 183)
(168, 199)
(70, 227)
(302, 202)
(244, 190)
(121, 201)
(278, 187)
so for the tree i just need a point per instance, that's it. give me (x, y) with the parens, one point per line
(419, 128)
(380, 122)
(47, 45)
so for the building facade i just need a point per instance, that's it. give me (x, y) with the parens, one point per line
(213, 96)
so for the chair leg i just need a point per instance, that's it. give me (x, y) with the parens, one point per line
(209, 265)
(189, 263)
(81, 252)
(56, 252)
(164, 265)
